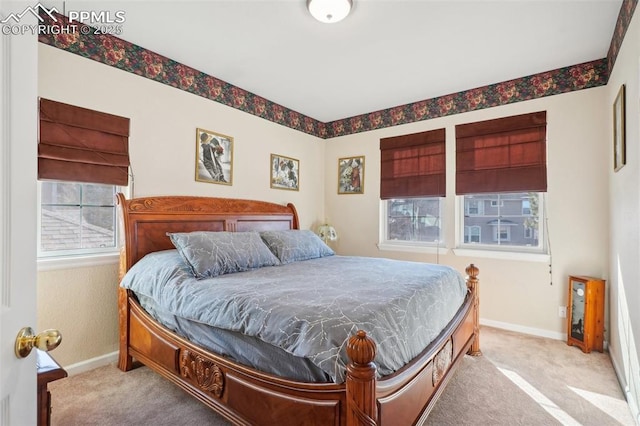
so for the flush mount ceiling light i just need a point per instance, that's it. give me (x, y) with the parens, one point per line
(329, 11)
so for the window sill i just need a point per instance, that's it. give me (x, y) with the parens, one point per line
(412, 248)
(506, 255)
(71, 262)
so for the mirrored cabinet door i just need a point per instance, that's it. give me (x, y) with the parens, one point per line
(577, 310)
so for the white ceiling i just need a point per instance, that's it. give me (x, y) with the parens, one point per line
(385, 53)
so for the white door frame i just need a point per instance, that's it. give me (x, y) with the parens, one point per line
(18, 202)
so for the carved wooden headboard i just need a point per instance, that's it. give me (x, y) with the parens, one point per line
(146, 221)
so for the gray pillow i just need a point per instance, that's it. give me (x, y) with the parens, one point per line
(209, 254)
(293, 245)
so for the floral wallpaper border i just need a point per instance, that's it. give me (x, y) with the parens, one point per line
(624, 19)
(563, 80)
(113, 51)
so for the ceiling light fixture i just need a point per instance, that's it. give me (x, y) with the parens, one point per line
(329, 11)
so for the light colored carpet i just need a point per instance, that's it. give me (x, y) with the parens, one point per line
(519, 380)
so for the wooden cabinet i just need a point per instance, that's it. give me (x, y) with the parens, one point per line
(48, 371)
(585, 316)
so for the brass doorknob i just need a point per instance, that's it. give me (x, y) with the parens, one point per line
(48, 340)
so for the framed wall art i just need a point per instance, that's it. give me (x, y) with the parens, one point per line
(214, 157)
(619, 142)
(285, 173)
(351, 175)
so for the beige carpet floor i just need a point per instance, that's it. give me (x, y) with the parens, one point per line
(519, 380)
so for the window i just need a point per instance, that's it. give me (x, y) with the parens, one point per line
(83, 159)
(528, 232)
(501, 233)
(474, 207)
(507, 226)
(414, 220)
(76, 218)
(412, 187)
(501, 176)
(472, 234)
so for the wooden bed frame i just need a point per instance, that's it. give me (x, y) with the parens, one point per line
(244, 395)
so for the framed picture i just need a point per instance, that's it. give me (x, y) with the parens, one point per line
(351, 175)
(619, 143)
(285, 173)
(214, 157)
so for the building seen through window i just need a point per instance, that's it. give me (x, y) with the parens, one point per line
(510, 219)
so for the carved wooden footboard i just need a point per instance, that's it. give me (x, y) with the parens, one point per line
(246, 396)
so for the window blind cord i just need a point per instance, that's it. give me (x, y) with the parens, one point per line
(438, 241)
(548, 237)
(132, 182)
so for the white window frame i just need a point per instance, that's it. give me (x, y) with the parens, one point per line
(411, 246)
(59, 259)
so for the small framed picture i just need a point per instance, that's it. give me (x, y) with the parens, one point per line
(619, 143)
(285, 172)
(351, 175)
(214, 157)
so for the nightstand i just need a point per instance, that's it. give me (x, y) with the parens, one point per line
(48, 371)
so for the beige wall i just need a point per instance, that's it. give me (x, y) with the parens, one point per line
(82, 302)
(518, 294)
(624, 229)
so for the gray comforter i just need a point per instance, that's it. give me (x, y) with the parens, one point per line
(310, 308)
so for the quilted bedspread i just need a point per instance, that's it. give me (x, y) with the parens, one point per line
(310, 308)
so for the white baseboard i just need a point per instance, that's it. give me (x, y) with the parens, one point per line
(624, 386)
(522, 329)
(92, 363)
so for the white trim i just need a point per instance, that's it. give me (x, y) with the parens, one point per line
(503, 255)
(521, 329)
(5, 176)
(93, 363)
(412, 248)
(624, 386)
(70, 262)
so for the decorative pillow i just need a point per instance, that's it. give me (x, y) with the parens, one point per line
(210, 254)
(293, 245)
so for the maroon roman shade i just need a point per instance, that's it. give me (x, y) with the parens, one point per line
(502, 155)
(82, 145)
(413, 165)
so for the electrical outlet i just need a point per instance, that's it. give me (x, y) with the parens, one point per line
(562, 311)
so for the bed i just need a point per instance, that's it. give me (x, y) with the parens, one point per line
(359, 392)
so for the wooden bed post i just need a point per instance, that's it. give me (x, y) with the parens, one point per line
(125, 361)
(361, 381)
(473, 285)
